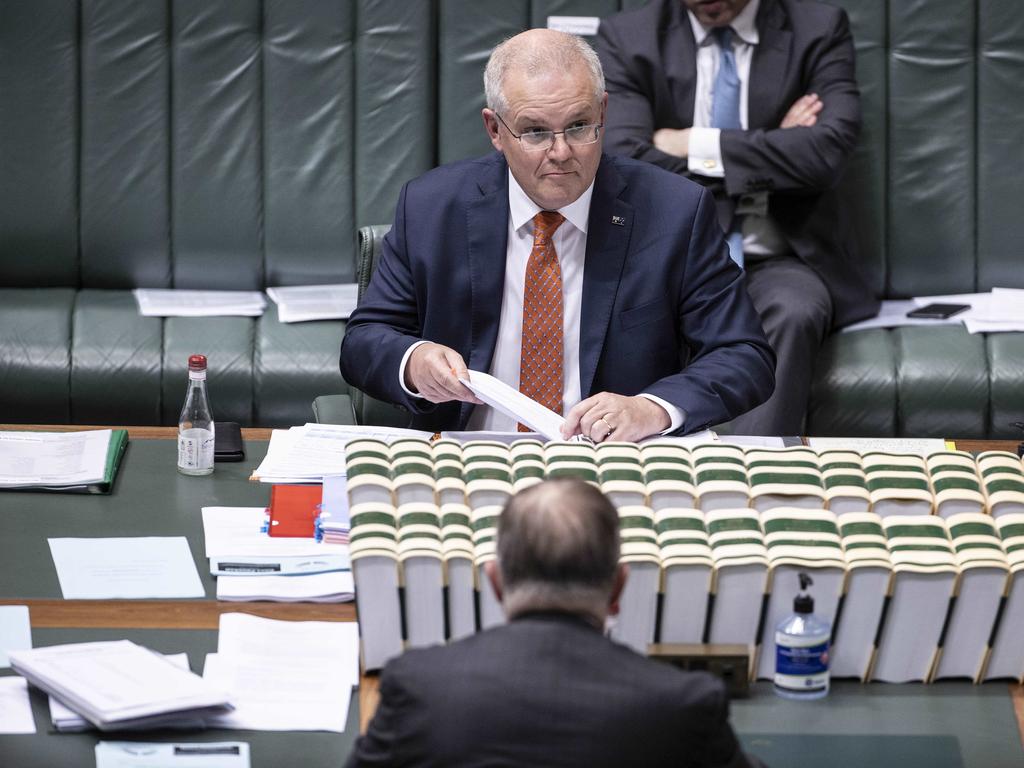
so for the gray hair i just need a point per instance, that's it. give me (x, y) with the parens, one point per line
(558, 548)
(539, 52)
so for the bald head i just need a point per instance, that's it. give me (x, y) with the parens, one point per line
(558, 549)
(536, 53)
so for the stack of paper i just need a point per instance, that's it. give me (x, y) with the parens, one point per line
(66, 720)
(299, 303)
(140, 754)
(305, 454)
(84, 462)
(168, 302)
(119, 684)
(285, 675)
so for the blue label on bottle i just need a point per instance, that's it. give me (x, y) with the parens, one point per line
(807, 660)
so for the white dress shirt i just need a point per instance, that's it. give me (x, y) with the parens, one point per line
(761, 236)
(570, 241)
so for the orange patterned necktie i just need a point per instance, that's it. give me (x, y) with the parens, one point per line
(540, 361)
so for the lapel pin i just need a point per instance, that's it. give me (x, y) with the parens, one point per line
(618, 221)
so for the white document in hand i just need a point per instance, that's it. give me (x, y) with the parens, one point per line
(515, 404)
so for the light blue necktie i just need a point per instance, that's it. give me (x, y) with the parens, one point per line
(725, 114)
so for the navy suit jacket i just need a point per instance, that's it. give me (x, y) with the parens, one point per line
(546, 689)
(664, 310)
(649, 58)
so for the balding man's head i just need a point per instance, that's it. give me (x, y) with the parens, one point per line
(558, 549)
(534, 54)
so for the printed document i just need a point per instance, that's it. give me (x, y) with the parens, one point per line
(920, 446)
(139, 754)
(329, 587)
(15, 706)
(53, 458)
(172, 302)
(298, 303)
(137, 567)
(235, 532)
(15, 631)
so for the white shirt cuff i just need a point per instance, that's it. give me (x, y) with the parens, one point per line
(401, 368)
(705, 156)
(676, 415)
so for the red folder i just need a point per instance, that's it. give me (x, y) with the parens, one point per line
(293, 510)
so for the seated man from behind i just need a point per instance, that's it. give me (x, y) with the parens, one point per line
(601, 287)
(756, 100)
(548, 688)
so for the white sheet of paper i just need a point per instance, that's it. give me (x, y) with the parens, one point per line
(285, 692)
(138, 754)
(53, 458)
(71, 721)
(15, 706)
(514, 404)
(333, 643)
(335, 498)
(697, 438)
(753, 441)
(299, 303)
(575, 25)
(920, 446)
(172, 302)
(15, 631)
(136, 567)
(235, 532)
(332, 586)
(893, 314)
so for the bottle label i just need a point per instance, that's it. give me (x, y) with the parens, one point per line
(195, 449)
(801, 664)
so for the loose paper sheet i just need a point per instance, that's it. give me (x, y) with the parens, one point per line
(138, 754)
(299, 303)
(235, 532)
(53, 458)
(332, 586)
(172, 302)
(136, 567)
(15, 706)
(921, 446)
(15, 631)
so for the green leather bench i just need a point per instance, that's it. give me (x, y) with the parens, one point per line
(240, 144)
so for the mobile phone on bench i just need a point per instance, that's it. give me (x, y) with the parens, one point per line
(938, 311)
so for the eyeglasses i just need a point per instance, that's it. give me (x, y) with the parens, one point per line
(536, 141)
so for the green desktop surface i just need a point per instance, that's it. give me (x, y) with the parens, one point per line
(943, 725)
(269, 749)
(150, 498)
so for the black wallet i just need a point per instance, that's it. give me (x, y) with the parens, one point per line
(227, 441)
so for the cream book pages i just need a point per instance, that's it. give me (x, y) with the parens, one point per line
(721, 477)
(898, 484)
(784, 477)
(687, 565)
(955, 483)
(485, 534)
(373, 549)
(924, 577)
(422, 561)
(798, 540)
(868, 573)
(668, 475)
(638, 605)
(846, 485)
(1006, 659)
(1002, 476)
(740, 575)
(984, 571)
(457, 546)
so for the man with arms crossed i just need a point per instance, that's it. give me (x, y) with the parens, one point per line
(601, 287)
(757, 100)
(548, 688)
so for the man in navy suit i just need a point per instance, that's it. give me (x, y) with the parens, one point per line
(645, 326)
(548, 688)
(773, 161)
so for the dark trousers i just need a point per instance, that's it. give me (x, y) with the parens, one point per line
(796, 311)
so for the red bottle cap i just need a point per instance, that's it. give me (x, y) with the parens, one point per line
(197, 362)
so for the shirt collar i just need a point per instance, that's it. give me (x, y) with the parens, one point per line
(744, 25)
(522, 209)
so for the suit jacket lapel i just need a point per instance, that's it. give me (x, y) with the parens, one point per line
(487, 239)
(768, 67)
(608, 230)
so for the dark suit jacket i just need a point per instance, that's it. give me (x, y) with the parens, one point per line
(649, 59)
(657, 285)
(545, 690)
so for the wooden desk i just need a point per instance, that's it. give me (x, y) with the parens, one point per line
(51, 612)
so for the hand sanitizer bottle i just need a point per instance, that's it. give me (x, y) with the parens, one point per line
(195, 425)
(801, 650)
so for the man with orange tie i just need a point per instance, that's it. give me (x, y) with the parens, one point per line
(601, 287)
